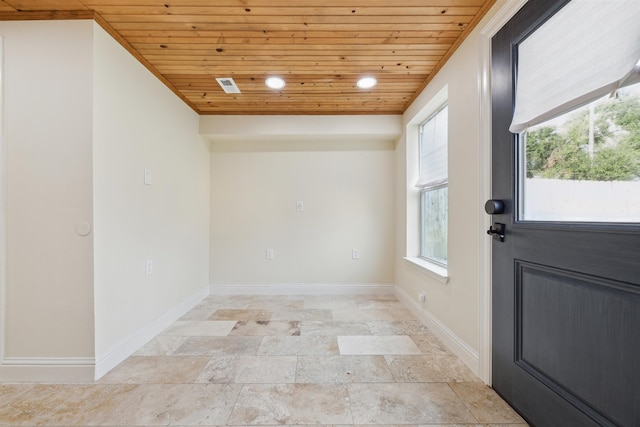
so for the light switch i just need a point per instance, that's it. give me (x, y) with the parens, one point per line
(147, 177)
(299, 205)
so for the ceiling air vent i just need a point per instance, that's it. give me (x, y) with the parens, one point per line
(228, 85)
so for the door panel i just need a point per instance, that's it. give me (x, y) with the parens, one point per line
(566, 296)
(557, 346)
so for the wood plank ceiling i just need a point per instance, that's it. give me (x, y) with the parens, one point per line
(320, 47)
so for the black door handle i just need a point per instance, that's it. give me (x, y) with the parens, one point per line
(494, 207)
(498, 232)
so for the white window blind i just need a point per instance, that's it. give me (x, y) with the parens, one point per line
(433, 150)
(586, 50)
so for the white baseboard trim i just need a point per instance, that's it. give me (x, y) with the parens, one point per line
(468, 355)
(129, 345)
(53, 369)
(302, 289)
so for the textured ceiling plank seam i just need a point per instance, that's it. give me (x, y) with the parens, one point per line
(334, 41)
(47, 15)
(299, 20)
(432, 13)
(279, 3)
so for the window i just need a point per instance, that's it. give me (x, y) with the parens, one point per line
(433, 185)
(576, 113)
(584, 166)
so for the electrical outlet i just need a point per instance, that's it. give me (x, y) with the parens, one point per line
(148, 178)
(355, 253)
(148, 267)
(269, 253)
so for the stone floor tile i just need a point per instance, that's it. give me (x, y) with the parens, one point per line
(162, 345)
(249, 369)
(374, 297)
(403, 327)
(64, 404)
(194, 328)
(361, 315)
(429, 368)
(302, 315)
(401, 314)
(380, 304)
(298, 346)
(174, 404)
(292, 404)
(376, 345)
(485, 404)
(156, 370)
(9, 392)
(430, 344)
(329, 303)
(200, 346)
(392, 403)
(227, 305)
(261, 372)
(241, 315)
(226, 301)
(277, 303)
(334, 328)
(217, 299)
(342, 369)
(266, 327)
(198, 313)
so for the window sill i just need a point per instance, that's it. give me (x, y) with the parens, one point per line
(437, 272)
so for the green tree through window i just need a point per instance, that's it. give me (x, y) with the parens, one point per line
(600, 142)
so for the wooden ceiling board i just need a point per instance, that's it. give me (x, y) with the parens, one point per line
(320, 47)
(28, 5)
(278, 3)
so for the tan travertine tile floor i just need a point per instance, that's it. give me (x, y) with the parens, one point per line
(264, 361)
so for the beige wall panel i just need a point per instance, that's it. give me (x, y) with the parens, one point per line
(139, 124)
(348, 204)
(48, 122)
(455, 304)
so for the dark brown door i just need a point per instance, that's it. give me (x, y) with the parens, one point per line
(566, 295)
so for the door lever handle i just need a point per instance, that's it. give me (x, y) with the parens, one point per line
(498, 232)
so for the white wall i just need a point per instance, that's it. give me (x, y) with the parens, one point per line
(454, 305)
(334, 132)
(348, 204)
(83, 120)
(139, 124)
(48, 310)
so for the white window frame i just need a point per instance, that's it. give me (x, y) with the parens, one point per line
(432, 186)
(412, 209)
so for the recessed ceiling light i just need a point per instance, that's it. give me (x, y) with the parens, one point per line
(274, 82)
(366, 82)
